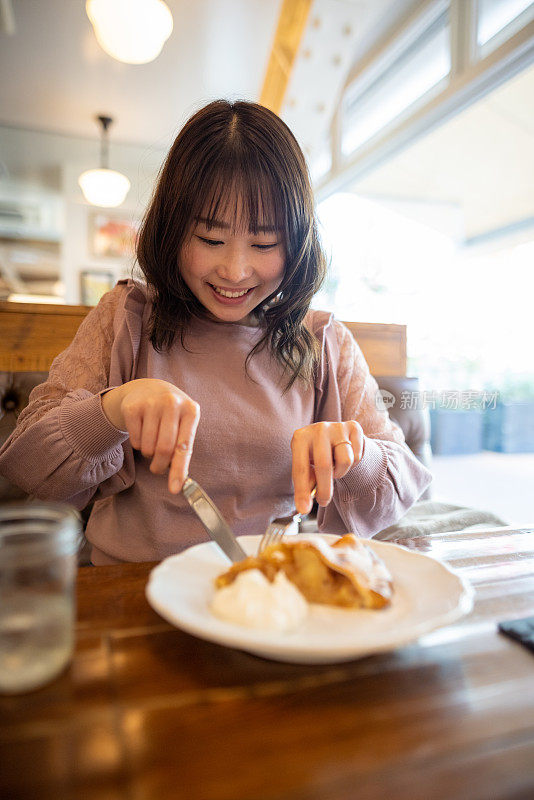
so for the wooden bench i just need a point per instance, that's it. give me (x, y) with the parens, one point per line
(32, 335)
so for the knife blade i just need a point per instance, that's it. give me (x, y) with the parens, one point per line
(212, 520)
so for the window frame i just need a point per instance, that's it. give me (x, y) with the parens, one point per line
(472, 76)
(405, 46)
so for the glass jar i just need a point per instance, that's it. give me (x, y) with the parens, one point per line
(38, 562)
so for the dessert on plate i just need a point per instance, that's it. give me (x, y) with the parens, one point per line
(346, 574)
(256, 602)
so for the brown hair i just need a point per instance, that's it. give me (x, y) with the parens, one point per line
(228, 150)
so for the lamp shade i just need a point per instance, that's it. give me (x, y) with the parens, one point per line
(133, 31)
(104, 187)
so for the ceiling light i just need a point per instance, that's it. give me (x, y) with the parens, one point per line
(104, 187)
(133, 31)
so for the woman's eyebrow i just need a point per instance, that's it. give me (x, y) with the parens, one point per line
(216, 223)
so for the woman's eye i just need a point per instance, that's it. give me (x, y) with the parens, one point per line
(265, 246)
(210, 242)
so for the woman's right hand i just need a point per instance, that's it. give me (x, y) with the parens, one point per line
(161, 420)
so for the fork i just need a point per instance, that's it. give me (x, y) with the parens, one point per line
(277, 529)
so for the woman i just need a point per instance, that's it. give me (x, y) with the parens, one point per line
(216, 367)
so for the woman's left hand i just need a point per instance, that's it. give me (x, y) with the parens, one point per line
(321, 452)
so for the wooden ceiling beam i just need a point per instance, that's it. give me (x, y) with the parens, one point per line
(289, 31)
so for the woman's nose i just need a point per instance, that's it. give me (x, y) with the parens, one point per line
(235, 267)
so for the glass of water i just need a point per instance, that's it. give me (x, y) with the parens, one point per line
(38, 561)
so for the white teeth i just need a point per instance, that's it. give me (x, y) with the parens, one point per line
(230, 294)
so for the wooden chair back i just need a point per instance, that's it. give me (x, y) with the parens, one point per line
(32, 335)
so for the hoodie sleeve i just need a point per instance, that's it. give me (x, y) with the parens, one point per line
(64, 446)
(388, 479)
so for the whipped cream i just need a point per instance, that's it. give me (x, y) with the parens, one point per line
(252, 600)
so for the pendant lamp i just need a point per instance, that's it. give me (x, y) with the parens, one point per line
(133, 31)
(104, 187)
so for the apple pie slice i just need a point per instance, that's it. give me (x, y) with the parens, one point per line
(346, 573)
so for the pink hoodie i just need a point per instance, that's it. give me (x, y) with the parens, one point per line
(64, 448)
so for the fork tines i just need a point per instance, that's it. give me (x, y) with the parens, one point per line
(276, 530)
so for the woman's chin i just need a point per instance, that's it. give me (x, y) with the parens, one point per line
(239, 319)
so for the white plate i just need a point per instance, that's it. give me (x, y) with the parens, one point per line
(427, 595)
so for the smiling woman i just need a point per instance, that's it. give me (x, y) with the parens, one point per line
(235, 168)
(216, 366)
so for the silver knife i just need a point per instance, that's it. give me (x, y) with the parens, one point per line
(212, 519)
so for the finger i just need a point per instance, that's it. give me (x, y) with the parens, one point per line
(166, 441)
(356, 437)
(133, 420)
(342, 451)
(302, 471)
(323, 466)
(149, 430)
(184, 447)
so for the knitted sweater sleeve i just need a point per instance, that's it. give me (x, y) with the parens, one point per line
(64, 447)
(385, 483)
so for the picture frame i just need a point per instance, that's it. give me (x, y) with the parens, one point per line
(112, 235)
(93, 284)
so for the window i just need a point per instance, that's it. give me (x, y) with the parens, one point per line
(370, 105)
(495, 16)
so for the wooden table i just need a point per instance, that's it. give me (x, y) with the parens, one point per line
(146, 711)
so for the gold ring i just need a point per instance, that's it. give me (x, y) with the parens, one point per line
(343, 441)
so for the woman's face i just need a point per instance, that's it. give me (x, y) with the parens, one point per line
(232, 271)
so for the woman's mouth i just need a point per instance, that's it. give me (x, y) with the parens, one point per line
(230, 296)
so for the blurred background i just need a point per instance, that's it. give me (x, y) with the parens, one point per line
(417, 120)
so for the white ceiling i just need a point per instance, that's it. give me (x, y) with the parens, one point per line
(55, 76)
(56, 79)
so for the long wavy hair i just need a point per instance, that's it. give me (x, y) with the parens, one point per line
(227, 151)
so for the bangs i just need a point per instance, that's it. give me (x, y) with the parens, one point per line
(242, 195)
